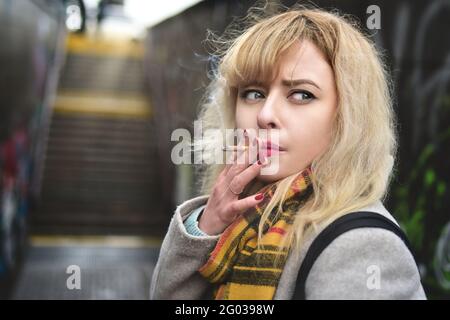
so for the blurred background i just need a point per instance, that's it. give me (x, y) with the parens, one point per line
(90, 92)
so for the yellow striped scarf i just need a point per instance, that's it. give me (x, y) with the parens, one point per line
(236, 268)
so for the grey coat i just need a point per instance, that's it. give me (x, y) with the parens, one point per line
(344, 270)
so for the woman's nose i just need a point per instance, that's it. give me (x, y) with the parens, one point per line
(267, 116)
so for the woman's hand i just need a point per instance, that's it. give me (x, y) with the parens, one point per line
(224, 205)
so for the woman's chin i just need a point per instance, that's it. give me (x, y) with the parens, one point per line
(270, 175)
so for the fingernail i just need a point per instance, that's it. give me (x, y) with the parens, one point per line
(245, 132)
(264, 162)
(259, 196)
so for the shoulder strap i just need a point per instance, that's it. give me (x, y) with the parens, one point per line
(360, 219)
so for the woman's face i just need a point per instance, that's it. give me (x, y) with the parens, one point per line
(300, 116)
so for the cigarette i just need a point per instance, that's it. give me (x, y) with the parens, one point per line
(234, 148)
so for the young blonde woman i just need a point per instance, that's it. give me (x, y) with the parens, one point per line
(316, 81)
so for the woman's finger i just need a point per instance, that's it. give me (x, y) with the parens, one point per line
(242, 205)
(243, 146)
(241, 162)
(241, 180)
(230, 158)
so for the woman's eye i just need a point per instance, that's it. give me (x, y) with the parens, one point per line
(251, 95)
(303, 96)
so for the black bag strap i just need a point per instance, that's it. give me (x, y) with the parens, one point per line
(359, 219)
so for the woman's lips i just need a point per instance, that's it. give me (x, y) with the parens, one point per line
(268, 148)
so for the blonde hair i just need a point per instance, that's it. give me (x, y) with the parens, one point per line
(356, 168)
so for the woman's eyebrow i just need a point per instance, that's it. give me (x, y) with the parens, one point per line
(291, 83)
(255, 83)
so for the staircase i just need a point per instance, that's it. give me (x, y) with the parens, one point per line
(101, 171)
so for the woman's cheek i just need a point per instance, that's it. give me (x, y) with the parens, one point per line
(303, 150)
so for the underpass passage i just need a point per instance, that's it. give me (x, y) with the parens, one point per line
(101, 172)
(99, 212)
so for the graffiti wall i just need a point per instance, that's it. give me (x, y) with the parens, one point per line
(30, 55)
